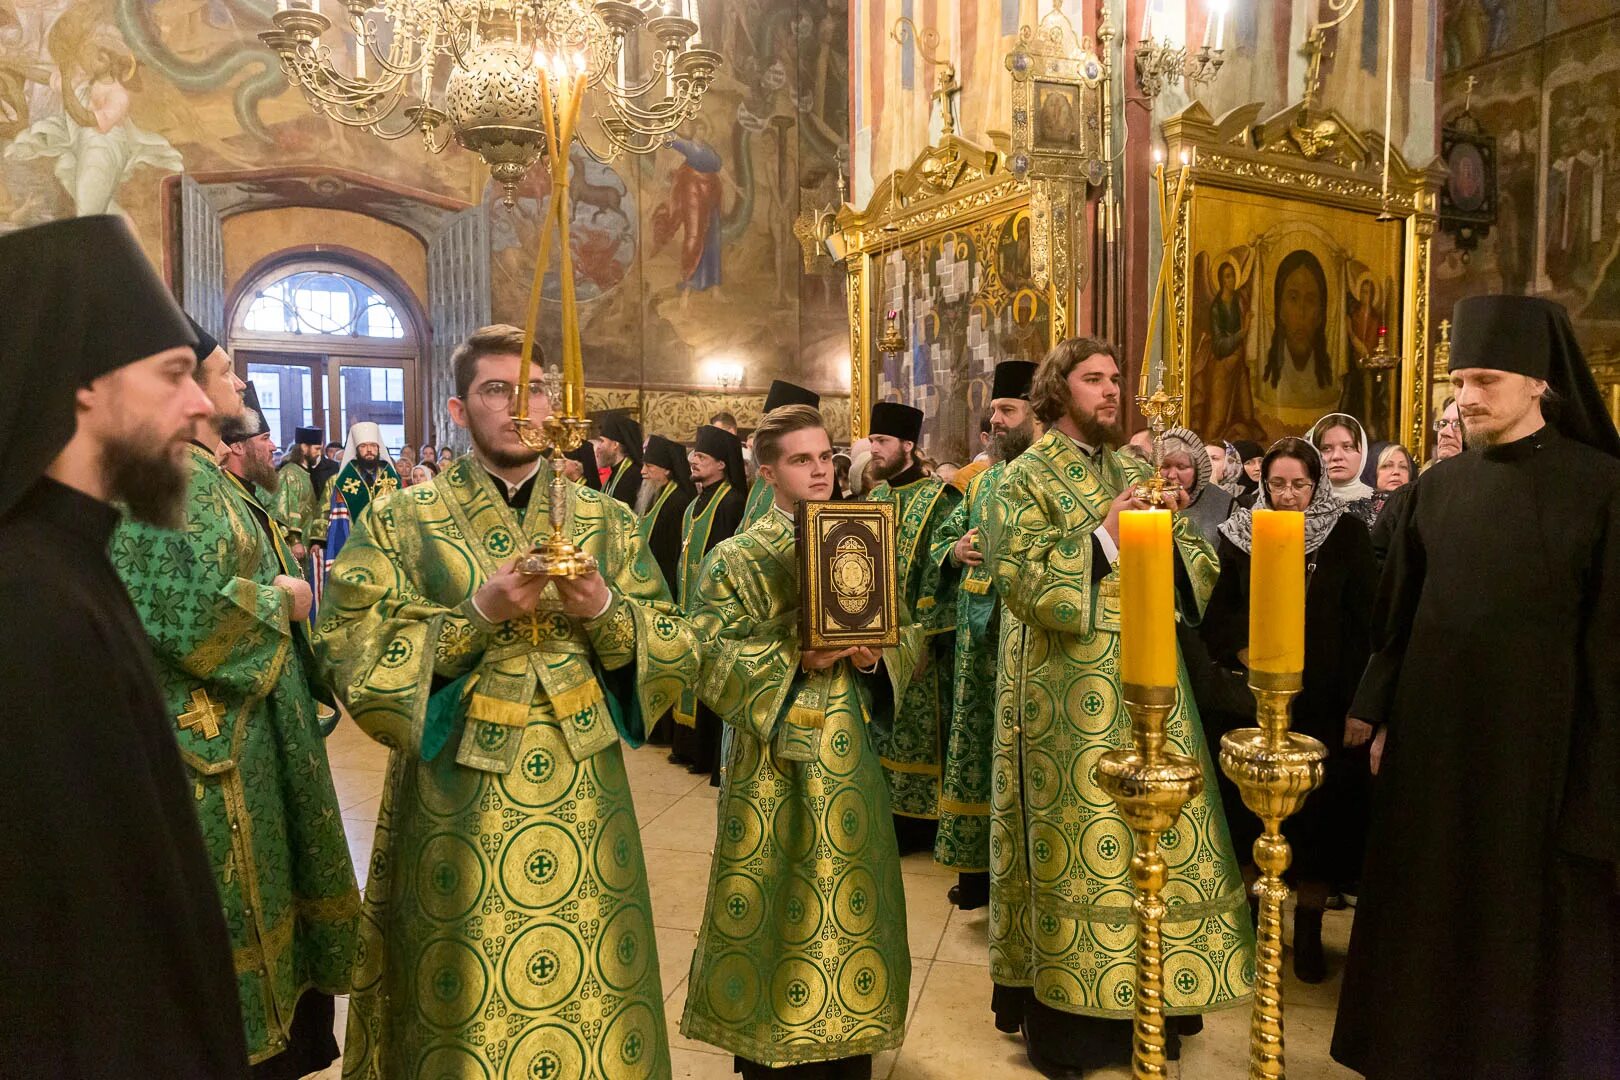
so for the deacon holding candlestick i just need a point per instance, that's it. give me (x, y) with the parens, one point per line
(1062, 900)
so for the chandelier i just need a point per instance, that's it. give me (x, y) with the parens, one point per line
(471, 70)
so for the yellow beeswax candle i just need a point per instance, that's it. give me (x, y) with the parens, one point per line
(1277, 592)
(1147, 591)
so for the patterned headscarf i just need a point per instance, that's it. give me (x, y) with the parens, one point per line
(1321, 515)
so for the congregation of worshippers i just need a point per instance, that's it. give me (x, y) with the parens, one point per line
(197, 610)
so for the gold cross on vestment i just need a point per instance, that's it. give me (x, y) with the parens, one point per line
(204, 715)
(530, 626)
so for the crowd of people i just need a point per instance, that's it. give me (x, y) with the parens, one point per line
(181, 900)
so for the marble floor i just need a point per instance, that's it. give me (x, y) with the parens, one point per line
(950, 1034)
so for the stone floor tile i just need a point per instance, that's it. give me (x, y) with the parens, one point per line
(967, 938)
(650, 803)
(356, 785)
(922, 862)
(927, 912)
(674, 956)
(679, 882)
(689, 825)
(649, 769)
(697, 1065)
(953, 1034)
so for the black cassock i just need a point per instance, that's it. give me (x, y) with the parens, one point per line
(112, 941)
(1485, 941)
(699, 747)
(666, 536)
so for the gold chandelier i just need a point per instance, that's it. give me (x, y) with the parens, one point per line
(646, 63)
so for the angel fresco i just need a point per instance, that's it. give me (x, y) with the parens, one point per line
(693, 209)
(93, 141)
(1222, 401)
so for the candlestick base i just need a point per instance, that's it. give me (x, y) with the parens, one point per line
(1275, 769)
(1151, 786)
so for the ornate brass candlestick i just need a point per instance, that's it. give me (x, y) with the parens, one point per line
(1276, 769)
(556, 555)
(1161, 410)
(1150, 785)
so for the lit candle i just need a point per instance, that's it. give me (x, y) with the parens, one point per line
(1277, 592)
(359, 58)
(1220, 25)
(1147, 20)
(1147, 611)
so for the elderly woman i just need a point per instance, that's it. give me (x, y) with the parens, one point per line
(1186, 464)
(1341, 578)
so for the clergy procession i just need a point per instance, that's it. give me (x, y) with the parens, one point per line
(1076, 623)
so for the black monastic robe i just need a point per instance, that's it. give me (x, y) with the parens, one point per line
(664, 535)
(1487, 939)
(112, 939)
(699, 747)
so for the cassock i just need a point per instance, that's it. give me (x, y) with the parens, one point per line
(1062, 939)
(715, 515)
(1485, 941)
(510, 881)
(781, 393)
(112, 940)
(236, 674)
(662, 523)
(624, 480)
(914, 747)
(802, 956)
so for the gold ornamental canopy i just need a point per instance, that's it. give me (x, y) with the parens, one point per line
(471, 70)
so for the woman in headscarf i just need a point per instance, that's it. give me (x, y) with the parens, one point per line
(1341, 577)
(1187, 464)
(1342, 442)
(1246, 479)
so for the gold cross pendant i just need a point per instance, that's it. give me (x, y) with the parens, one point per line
(204, 715)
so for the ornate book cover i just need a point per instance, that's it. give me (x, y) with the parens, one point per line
(846, 575)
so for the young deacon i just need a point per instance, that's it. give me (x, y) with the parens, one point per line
(801, 967)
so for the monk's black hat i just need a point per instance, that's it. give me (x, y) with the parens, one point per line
(899, 421)
(206, 342)
(669, 455)
(250, 424)
(1012, 379)
(308, 436)
(783, 393)
(722, 445)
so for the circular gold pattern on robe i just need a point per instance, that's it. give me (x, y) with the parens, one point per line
(630, 1048)
(618, 852)
(448, 789)
(793, 829)
(447, 1063)
(1083, 776)
(855, 901)
(802, 911)
(863, 981)
(544, 771)
(1036, 712)
(739, 905)
(542, 967)
(841, 750)
(849, 820)
(450, 981)
(1188, 977)
(540, 866)
(1118, 936)
(1091, 701)
(742, 829)
(1106, 846)
(547, 1052)
(1001, 847)
(369, 952)
(1179, 842)
(733, 988)
(1053, 934)
(1043, 780)
(625, 947)
(1116, 986)
(449, 877)
(1048, 853)
(798, 991)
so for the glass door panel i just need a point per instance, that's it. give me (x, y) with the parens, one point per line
(373, 391)
(289, 392)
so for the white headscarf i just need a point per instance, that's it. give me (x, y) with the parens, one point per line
(365, 431)
(1352, 490)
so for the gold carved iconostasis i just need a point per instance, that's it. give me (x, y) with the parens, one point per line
(1299, 287)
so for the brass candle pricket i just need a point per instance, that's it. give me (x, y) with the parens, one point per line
(1275, 769)
(1151, 785)
(556, 555)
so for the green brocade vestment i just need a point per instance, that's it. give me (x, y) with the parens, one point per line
(295, 504)
(914, 750)
(1060, 853)
(760, 499)
(236, 674)
(803, 954)
(506, 933)
(963, 841)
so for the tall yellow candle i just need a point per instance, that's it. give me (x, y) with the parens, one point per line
(1277, 592)
(1147, 599)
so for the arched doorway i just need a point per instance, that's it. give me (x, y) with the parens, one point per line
(328, 344)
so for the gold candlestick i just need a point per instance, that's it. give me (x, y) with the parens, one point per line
(1151, 786)
(1276, 769)
(1161, 409)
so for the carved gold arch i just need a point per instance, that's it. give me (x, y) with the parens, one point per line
(960, 189)
(1304, 165)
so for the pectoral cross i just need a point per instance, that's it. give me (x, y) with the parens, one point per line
(204, 715)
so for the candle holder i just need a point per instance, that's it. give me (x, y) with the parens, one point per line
(1275, 769)
(1150, 785)
(556, 555)
(1161, 408)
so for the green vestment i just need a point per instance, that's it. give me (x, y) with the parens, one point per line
(296, 504)
(914, 751)
(963, 842)
(695, 528)
(237, 678)
(803, 954)
(1060, 887)
(761, 498)
(506, 933)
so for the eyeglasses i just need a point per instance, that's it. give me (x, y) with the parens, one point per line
(1279, 487)
(1441, 426)
(498, 395)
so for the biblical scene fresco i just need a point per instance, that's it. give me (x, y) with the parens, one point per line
(965, 302)
(1286, 298)
(686, 258)
(100, 99)
(1554, 109)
